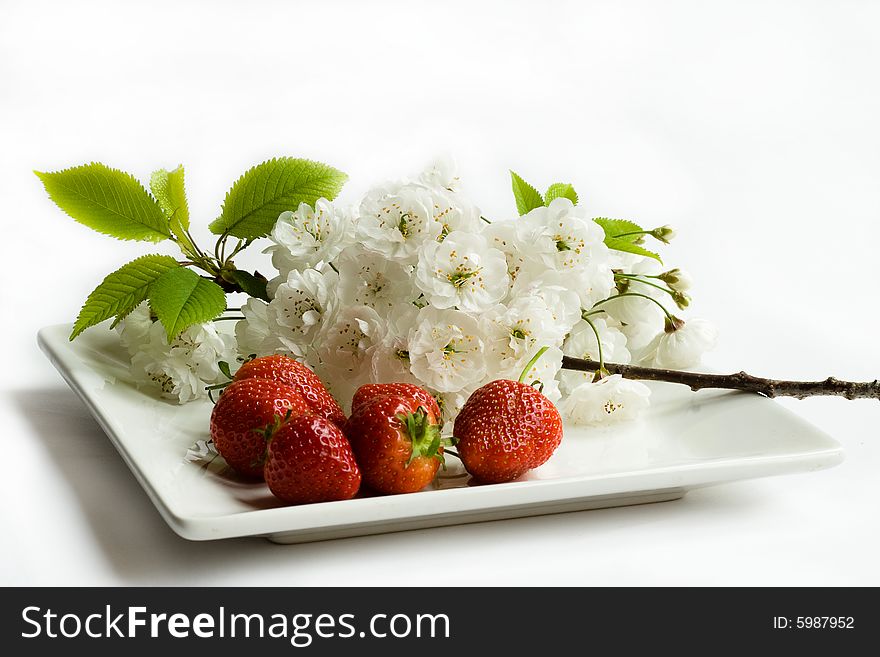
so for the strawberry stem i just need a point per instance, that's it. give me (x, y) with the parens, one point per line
(531, 364)
(424, 435)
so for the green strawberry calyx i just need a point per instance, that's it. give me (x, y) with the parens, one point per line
(423, 432)
(268, 431)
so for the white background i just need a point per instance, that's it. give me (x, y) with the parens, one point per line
(751, 126)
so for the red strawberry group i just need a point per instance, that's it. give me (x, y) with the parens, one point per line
(277, 421)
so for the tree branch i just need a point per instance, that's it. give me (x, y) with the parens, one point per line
(737, 381)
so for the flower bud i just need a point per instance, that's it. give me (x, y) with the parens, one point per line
(672, 324)
(681, 299)
(664, 234)
(677, 279)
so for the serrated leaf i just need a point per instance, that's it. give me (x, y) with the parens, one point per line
(621, 229)
(621, 235)
(560, 190)
(170, 192)
(108, 201)
(527, 197)
(168, 188)
(122, 291)
(251, 285)
(629, 247)
(181, 298)
(256, 199)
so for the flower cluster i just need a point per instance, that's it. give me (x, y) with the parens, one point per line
(414, 284)
(179, 369)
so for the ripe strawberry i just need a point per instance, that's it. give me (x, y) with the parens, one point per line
(246, 410)
(396, 441)
(371, 390)
(505, 429)
(288, 371)
(310, 460)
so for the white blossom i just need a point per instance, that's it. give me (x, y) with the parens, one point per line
(395, 220)
(369, 279)
(179, 369)
(446, 350)
(134, 330)
(515, 240)
(253, 334)
(683, 347)
(391, 364)
(308, 236)
(390, 359)
(462, 271)
(300, 307)
(414, 286)
(640, 338)
(454, 213)
(563, 303)
(636, 309)
(590, 283)
(609, 399)
(564, 236)
(511, 333)
(442, 172)
(344, 349)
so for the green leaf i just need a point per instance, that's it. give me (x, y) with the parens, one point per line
(181, 298)
(621, 235)
(252, 285)
(223, 366)
(256, 199)
(122, 291)
(170, 193)
(560, 190)
(107, 200)
(527, 197)
(619, 244)
(621, 227)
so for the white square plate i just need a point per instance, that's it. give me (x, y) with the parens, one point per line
(685, 440)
